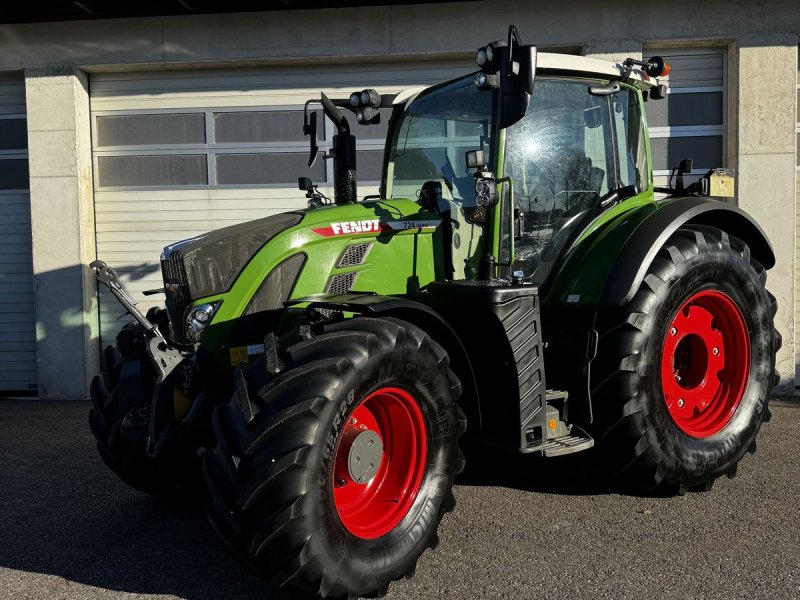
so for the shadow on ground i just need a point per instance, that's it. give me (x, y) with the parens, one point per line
(574, 474)
(63, 513)
(71, 529)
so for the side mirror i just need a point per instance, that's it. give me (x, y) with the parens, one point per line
(516, 80)
(305, 184)
(512, 66)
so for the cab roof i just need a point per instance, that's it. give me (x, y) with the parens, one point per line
(548, 62)
(583, 65)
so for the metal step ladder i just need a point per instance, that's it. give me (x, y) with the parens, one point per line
(561, 437)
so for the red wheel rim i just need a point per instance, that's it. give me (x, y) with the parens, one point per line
(372, 509)
(705, 363)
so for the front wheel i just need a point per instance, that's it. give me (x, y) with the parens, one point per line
(119, 422)
(684, 371)
(331, 480)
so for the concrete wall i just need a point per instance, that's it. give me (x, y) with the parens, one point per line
(62, 219)
(766, 112)
(381, 32)
(761, 37)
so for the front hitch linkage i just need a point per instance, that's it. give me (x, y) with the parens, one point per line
(165, 359)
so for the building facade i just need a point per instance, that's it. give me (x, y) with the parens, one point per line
(119, 136)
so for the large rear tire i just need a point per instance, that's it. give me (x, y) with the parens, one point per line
(290, 493)
(684, 371)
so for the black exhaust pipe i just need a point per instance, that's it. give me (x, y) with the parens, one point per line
(344, 155)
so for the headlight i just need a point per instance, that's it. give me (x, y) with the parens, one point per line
(198, 319)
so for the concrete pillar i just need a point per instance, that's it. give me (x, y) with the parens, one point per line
(766, 108)
(613, 50)
(62, 220)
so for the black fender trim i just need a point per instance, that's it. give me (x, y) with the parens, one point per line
(424, 317)
(644, 243)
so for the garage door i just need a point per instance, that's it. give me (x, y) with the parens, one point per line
(178, 153)
(17, 330)
(690, 123)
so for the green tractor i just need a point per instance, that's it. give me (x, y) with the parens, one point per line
(516, 281)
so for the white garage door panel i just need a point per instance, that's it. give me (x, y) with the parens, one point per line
(254, 87)
(17, 328)
(696, 86)
(133, 225)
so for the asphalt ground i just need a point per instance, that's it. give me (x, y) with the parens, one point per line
(524, 528)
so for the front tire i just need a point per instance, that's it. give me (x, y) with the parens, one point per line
(119, 417)
(290, 494)
(684, 371)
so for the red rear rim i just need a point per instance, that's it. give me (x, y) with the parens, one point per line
(705, 363)
(373, 508)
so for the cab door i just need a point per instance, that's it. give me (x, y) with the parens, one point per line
(574, 155)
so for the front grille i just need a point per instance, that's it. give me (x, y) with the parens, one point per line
(210, 263)
(213, 261)
(341, 284)
(177, 293)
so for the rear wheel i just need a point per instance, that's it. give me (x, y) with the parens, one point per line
(332, 478)
(684, 371)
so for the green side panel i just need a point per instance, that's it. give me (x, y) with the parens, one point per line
(398, 260)
(581, 279)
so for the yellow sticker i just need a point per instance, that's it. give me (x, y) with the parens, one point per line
(238, 355)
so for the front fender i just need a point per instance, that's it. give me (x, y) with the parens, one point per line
(605, 268)
(423, 316)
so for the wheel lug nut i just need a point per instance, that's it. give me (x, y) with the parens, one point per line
(681, 402)
(674, 331)
(353, 421)
(715, 351)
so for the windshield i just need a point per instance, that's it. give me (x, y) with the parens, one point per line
(436, 130)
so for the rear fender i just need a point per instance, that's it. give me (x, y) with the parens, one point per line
(606, 268)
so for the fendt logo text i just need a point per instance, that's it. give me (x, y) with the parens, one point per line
(350, 227)
(374, 226)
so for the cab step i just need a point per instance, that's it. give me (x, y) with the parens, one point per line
(557, 437)
(576, 441)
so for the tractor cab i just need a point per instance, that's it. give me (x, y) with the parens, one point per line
(518, 170)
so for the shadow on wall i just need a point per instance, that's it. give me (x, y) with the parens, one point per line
(65, 338)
